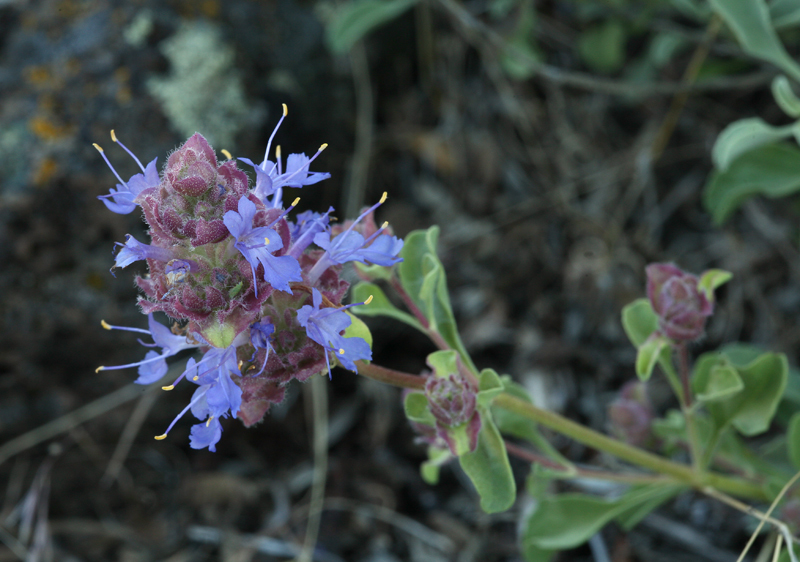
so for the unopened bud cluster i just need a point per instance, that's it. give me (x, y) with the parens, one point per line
(254, 288)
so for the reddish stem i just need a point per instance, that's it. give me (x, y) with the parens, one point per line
(390, 376)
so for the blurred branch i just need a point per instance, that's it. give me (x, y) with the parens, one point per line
(362, 153)
(581, 80)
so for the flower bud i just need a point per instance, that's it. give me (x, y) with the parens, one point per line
(631, 415)
(682, 308)
(452, 401)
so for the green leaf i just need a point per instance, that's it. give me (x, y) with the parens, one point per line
(514, 424)
(416, 408)
(380, 305)
(711, 280)
(784, 13)
(488, 468)
(489, 386)
(520, 56)
(751, 410)
(793, 440)
(639, 321)
(423, 278)
(374, 272)
(357, 329)
(772, 170)
(750, 22)
(569, 520)
(444, 363)
(743, 136)
(785, 97)
(356, 19)
(648, 355)
(429, 470)
(602, 47)
(723, 381)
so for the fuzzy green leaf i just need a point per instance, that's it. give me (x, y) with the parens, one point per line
(639, 321)
(750, 22)
(648, 355)
(488, 468)
(723, 381)
(743, 136)
(771, 170)
(423, 278)
(785, 97)
(416, 408)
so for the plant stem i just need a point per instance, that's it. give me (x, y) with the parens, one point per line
(628, 453)
(688, 411)
(573, 471)
(591, 438)
(390, 376)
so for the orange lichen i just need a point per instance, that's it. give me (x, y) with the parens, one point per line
(45, 172)
(47, 129)
(37, 75)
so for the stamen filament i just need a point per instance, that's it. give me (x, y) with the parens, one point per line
(125, 148)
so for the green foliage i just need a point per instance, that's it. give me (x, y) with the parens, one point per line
(355, 19)
(785, 97)
(743, 136)
(489, 470)
(358, 329)
(750, 22)
(569, 520)
(648, 355)
(602, 46)
(793, 440)
(712, 280)
(423, 278)
(639, 321)
(771, 170)
(380, 305)
(751, 408)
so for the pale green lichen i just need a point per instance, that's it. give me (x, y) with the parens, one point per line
(203, 90)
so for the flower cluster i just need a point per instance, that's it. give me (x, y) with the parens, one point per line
(257, 292)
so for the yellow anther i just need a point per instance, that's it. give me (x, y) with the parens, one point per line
(285, 110)
(105, 324)
(97, 146)
(341, 351)
(385, 224)
(266, 240)
(383, 197)
(323, 146)
(161, 437)
(278, 152)
(194, 378)
(295, 202)
(113, 136)
(240, 363)
(100, 368)
(369, 300)
(209, 420)
(170, 387)
(227, 154)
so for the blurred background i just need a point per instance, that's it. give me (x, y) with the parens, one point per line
(561, 145)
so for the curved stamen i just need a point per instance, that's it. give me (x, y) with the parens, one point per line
(194, 401)
(125, 148)
(103, 154)
(275, 130)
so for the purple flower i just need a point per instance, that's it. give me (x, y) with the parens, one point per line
(206, 434)
(324, 326)
(271, 179)
(307, 225)
(121, 200)
(350, 245)
(133, 250)
(681, 307)
(154, 365)
(631, 414)
(217, 396)
(257, 245)
(261, 338)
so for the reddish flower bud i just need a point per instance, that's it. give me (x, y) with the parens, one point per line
(452, 402)
(631, 415)
(681, 307)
